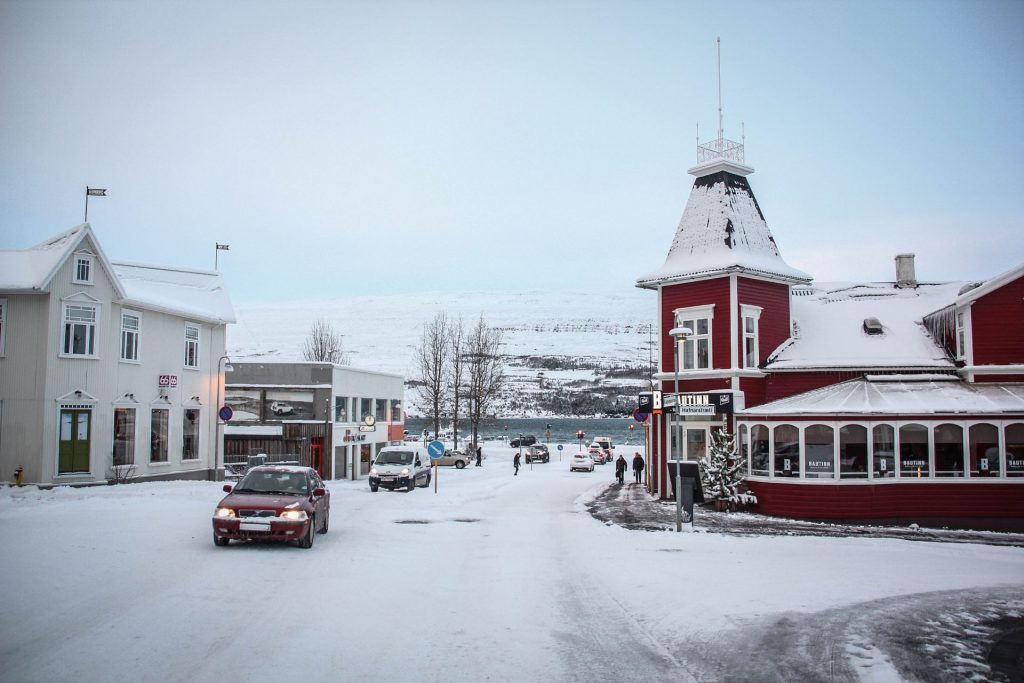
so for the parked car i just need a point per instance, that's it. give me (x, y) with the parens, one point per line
(537, 453)
(598, 454)
(605, 442)
(456, 458)
(581, 462)
(273, 503)
(281, 408)
(400, 467)
(523, 441)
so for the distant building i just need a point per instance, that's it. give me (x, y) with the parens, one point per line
(334, 418)
(107, 369)
(895, 401)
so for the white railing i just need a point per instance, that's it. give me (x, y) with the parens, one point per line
(720, 149)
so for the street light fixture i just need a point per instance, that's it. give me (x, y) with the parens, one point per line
(220, 423)
(679, 335)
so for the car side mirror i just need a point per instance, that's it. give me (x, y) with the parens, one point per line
(318, 492)
(227, 488)
(418, 463)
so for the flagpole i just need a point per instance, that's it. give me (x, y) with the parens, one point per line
(86, 219)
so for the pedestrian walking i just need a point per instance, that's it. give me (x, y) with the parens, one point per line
(638, 467)
(479, 454)
(515, 463)
(620, 469)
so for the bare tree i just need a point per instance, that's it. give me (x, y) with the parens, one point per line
(456, 335)
(485, 370)
(431, 364)
(323, 344)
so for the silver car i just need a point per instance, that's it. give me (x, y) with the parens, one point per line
(456, 458)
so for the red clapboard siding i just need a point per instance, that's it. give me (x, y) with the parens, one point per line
(773, 326)
(897, 500)
(753, 391)
(698, 293)
(997, 326)
(783, 384)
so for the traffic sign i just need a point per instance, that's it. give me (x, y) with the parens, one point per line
(226, 413)
(560, 446)
(435, 449)
(638, 416)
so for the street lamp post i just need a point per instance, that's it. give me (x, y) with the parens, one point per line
(679, 335)
(220, 423)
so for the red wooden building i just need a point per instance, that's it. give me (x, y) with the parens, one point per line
(895, 401)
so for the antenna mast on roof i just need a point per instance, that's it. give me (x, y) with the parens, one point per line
(720, 148)
(721, 134)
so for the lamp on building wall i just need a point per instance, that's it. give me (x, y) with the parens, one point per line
(678, 335)
(219, 423)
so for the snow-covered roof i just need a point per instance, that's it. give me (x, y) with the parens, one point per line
(900, 397)
(828, 327)
(975, 291)
(722, 230)
(196, 294)
(32, 269)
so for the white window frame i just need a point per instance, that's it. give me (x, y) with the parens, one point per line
(688, 348)
(192, 344)
(962, 321)
(93, 337)
(136, 333)
(87, 260)
(748, 312)
(3, 326)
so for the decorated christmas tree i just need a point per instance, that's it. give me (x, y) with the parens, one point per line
(721, 471)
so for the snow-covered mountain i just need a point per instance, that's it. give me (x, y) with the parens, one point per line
(566, 353)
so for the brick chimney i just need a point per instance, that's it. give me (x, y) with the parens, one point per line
(905, 277)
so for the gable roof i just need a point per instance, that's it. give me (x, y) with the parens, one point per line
(978, 290)
(32, 269)
(828, 320)
(722, 230)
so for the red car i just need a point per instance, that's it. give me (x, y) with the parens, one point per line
(274, 503)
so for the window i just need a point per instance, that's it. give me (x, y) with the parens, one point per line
(984, 450)
(365, 408)
(382, 410)
(131, 327)
(79, 330)
(744, 451)
(3, 324)
(884, 451)
(190, 434)
(124, 436)
(949, 450)
(695, 352)
(396, 410)
(914, 451)
(961, 346)
(1015, 450)
(75, 435)
(853, 452)
(751, 351)
(191, 346)
(819, 452)
(158, 430)
(759, 452)
(787, 451)
(83, 269)
(341, 408)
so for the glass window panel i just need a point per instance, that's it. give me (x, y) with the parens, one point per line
(190, 435)
(702, 326)
(341, 408)
(381, 414)
(744, 451)
(853, 452)
(787, 451)
(696, 444)
(158, 430)
(759, 454)
(703, 353)
(914, 451)
(949, 450)
(124, 436)
(1014, 434)
(884, 451)
(819, 452)
(984, 450)
(365, 408)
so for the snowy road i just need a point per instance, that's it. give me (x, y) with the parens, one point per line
(495, 578)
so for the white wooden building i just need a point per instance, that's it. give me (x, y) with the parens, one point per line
(107, 367)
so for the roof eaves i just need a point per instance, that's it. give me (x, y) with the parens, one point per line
(990, 286)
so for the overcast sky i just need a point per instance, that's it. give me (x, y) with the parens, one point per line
(349, 148)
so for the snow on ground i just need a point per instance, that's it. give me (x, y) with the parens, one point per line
(494, 577)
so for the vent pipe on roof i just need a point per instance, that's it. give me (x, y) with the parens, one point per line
(905, 277)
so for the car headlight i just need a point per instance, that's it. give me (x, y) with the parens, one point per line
(405, 470)
(297, 515)
(373, 471)
(224, 512)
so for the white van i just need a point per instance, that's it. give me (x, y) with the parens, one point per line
(405, 467)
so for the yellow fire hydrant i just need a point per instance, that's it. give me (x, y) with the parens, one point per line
(17, 476)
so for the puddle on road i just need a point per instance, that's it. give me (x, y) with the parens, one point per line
(467, 520)
(411, 521)
(670, 550)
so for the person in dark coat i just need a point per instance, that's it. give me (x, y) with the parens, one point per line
(515, 463)
(638, 467)
(620, 469)
(479, 454)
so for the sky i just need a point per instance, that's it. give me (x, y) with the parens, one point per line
(359, 148)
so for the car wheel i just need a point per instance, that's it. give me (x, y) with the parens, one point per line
(412, 484)
(219, 541)
(459, 464)
(307, 540)
(327, 519)
(428, 480)
(373, 489)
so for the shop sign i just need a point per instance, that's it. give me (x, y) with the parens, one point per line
(701, 404)
(649, 402)
(168, 381)
(354, 437)
(1015, 465)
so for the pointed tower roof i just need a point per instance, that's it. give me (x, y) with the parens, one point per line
(722, 229)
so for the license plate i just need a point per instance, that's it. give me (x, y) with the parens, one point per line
(387, 477)
(253, 526)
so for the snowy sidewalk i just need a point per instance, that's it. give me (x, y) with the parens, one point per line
(632, 507)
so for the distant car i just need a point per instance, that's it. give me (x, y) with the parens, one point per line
(538, 453)
(281, 408)
(456, 458)
(598, 454)
(523, 441)
(605, 442)
(581, 462)
(273, 503)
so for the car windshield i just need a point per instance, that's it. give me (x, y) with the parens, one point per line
(264, 481)
(394, 457)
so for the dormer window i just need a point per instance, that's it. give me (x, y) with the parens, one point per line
(192, 346)
(83, 269)
(695, 352)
